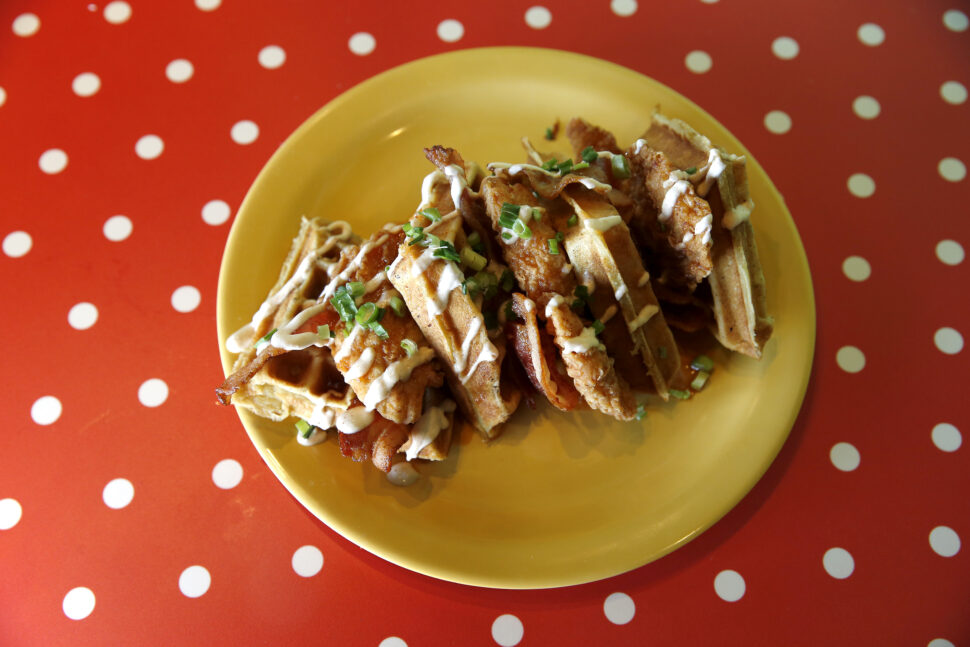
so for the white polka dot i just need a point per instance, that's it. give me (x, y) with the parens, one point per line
(307, 561)
(709, 1)
(78, 603)
(948, 340)
(698, 61)
(785, 48)
(946, 437)
(952, 92)
(17, 244)
(244, 132)
(362, 43)
(46, 410)
(117, 228)
(778, 122)
(866, 107)
(850, 359)
(82, 315)
(227, 473)
(955, 20)
(619, 608)
(838, 563)
(861, 185)
(186, 298)
(944, 541)
(86, 84)
(215, 212)
(871, 34)
(940, 642)
(271, 57)
(117, 12)
(26, 24)
(623, 7)
(856, 268)
(729, 586)
(538, 17)
(844, 456)
(148, 147)
(118, 493)
(949, 252)
(153, 392)
(450, 30)
(393, 641)
(3, 96)
(507, 630)
(194, 581)
(952, 169)
(52, 161)
(180, 70)
(10, 513)
(208, 5)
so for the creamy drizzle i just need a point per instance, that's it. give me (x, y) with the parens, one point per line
(403, 474)
(462, 360)
(317, 436)
(644, 279)
(648, 311)
(399, 370)
(608, 314)
(354, 265)
(450, 279)
(567, 268)
(487, 354)
(427, 186)
(432, 422)
(738, 214)
(582, 343)
(362, 365)
(515, 169)
(709, 174)
(347, 344)
(620, 292)
(603, 224)
(353, 420)
(676, 187)
(286, 338)
(456, 175)
(590, 183)
(640, 143)
(553, 303)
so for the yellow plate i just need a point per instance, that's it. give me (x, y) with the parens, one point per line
(559, 499)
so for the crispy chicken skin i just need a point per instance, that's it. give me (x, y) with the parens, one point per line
(538, 356)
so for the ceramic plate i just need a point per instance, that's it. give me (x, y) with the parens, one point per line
(560, 498)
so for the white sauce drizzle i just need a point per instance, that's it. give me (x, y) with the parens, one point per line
(711, 172)
(553, 303)
(403, 474)
(644, 279)
(738, 214)
(462, 360)
(432, 422)
(603, 224)
(620, 292)
(515, 169)
(456, 175)
(487, 354)
(648, 311)
(427, 186)
(354, 265)
(639, 145)
(322, 418)
(582, 343)
(676, 187)
(317, 436)
(567, 268)
(396, 372)
(353, 420)
(608, 314)
(450, 279)
(347, 345)
(286, 338)
(362, 365)
(590, 183)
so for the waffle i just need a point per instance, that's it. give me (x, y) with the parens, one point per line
(737, 283)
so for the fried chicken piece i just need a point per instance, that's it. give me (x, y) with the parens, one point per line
(538, 356)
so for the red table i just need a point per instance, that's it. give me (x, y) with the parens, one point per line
(133, 511)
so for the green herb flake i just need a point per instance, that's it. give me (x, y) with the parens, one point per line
(431, 214)
(573, 219)
(621, 168)
(589, 155)
(691, 170)
(641, 412)
(409, 347)
(553, 246)
(680, 394)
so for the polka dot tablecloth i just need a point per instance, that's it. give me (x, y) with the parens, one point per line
(133, 511)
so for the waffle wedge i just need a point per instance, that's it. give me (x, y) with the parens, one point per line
(741, 321)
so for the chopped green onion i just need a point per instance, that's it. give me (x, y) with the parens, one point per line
(475, 242)
(582, 292)
(536, 213)
(573, 219)
(304, 428)
(550, 164)
(491, 319)
(578, 166)
(565, 166)
(397, 305)
(356, 289)
(323, 332)
(415, 235)
(267, 336)
(553, 246)
(521, 230)
(700, 380)
(662, 352)
(507, 281)
(447, 251)
(641, 412)
(589, 155)
(702, 363)
(470, 285)
(431, 214)
(409, 347)
(598, 326)
(473, 259)
(550, 134)
(691, 170)
(507, 236)
(344, 304)
(378, 330)
(367, 314)
(680, 394)
(621, 168)
(508, 214)
(559, 236)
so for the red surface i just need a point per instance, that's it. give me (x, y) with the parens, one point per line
(900, 591)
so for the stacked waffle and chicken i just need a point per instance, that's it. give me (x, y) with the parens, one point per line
(562, 277)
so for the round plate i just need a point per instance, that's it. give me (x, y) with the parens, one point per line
(559, 498)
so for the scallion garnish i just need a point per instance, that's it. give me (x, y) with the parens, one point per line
(409, 347)
(641, 412)
(323, 332)
(700, 380)
(446, 250)
(691, 170)
(397, 305)
(356, 289)
(521, 230)
(344, 304)
(573, 219)
(589, 155)
(267, 336)
(598, 326)
(475, 242)
(550, 134)
(378, 329)
(702, 363)
(553, 246)
(621, 168)
(508, 214)
(304, 428)
(680, 394)
(578, 166)
(565, 166)
(550, 164)
(367, 314)
(431, 214)
(473, 259)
